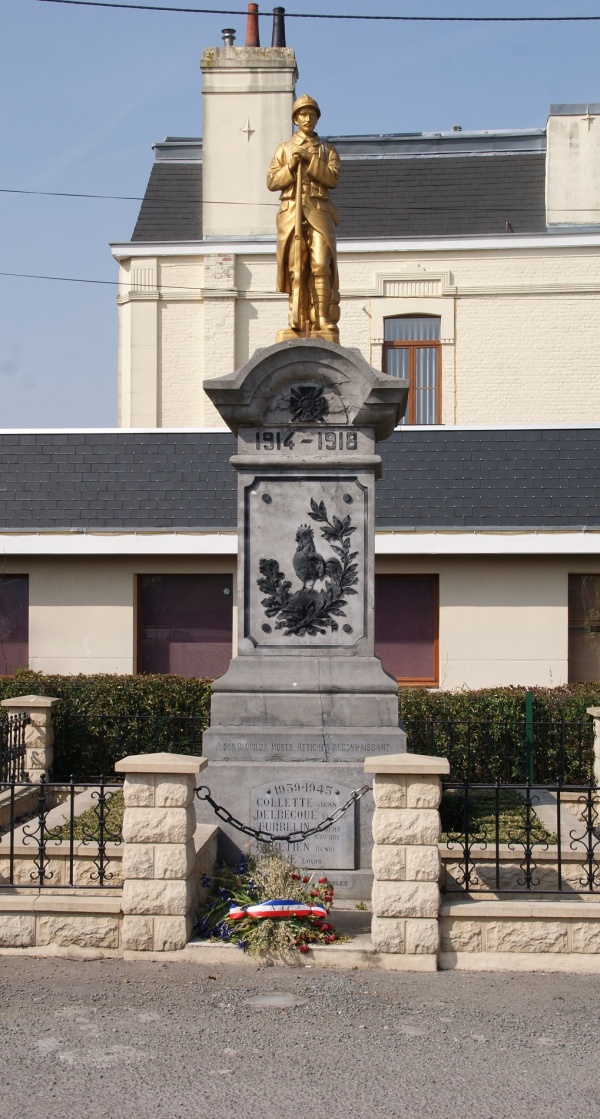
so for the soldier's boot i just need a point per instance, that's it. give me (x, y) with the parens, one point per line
(325, 319)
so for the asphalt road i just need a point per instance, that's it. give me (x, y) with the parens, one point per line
(114, 1040)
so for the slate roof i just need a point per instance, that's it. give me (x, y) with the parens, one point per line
(404, 185)
(441, 197)
(172, 205)
(387, 196)
(432, 478)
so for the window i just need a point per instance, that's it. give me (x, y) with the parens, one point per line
(406, 626)
(584, 628)
(14, 623)
(412, 350)
(185, 624)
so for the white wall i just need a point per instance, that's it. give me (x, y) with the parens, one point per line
(82, 612)
(503, 621)
(519, 327)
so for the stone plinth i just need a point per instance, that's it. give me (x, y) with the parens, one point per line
(406, 861)
(159, 850)
(305, 700)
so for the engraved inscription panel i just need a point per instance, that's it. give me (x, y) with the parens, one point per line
(305, 548)
(249, 746)
(285, 806)
(330, 443)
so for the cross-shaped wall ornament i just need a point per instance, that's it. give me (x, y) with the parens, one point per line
(589, 118)
(246, 128)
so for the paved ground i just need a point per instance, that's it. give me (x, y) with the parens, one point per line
(114, 1040)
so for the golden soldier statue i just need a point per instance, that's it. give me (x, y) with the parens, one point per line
(304, 169)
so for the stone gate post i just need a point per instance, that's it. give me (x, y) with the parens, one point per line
(406, 860)
(39, 734)
(159, 850)
(595, 713)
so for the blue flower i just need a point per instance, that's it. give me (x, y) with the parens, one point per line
(225, 933)
(206, 881)
(242, 866)
(243, 944)
(211, 903)
(222, 893)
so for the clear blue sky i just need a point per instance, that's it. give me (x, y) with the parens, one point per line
(86, 91)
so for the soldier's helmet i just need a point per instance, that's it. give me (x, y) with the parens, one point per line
(304, 102)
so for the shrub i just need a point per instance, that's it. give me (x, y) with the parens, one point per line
(483, 731)
(104, 718)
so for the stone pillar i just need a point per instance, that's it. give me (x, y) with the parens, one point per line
(39, 735)
(406, 860)
(595, 713)
(159, 850)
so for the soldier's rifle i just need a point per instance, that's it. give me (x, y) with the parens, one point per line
(297, 323)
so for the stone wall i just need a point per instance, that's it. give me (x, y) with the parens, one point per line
(536, 934)
(42, 918)
(151, 900)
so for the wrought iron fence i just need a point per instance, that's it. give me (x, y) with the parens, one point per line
(500, 838)
(92, 743)
(60, 841)
(12, 747)
(513, 749)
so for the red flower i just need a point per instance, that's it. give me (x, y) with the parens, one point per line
(295, 877)
(303, 948)
(306, 879)
(322, 881)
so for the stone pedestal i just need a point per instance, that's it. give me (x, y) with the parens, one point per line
(306, 699)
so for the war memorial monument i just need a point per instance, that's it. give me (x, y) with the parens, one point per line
(305, 700)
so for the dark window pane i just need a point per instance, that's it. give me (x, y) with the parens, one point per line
(412, 328)
(185, 624)
(406, 625)
(14, 623)
(584, 627)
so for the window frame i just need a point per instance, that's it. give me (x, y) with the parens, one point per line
(411, 409)
(420, 681)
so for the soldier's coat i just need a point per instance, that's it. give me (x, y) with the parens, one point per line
(318, 176)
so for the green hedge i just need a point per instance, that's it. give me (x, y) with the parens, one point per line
(432, 718)
(569, 701)
(483, 731)
(163, 713)
(117, 695)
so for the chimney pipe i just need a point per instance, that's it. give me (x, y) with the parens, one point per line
(228, 34)
(278, 39)
(252, 32)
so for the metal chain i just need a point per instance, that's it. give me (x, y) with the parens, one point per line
(203, 793)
